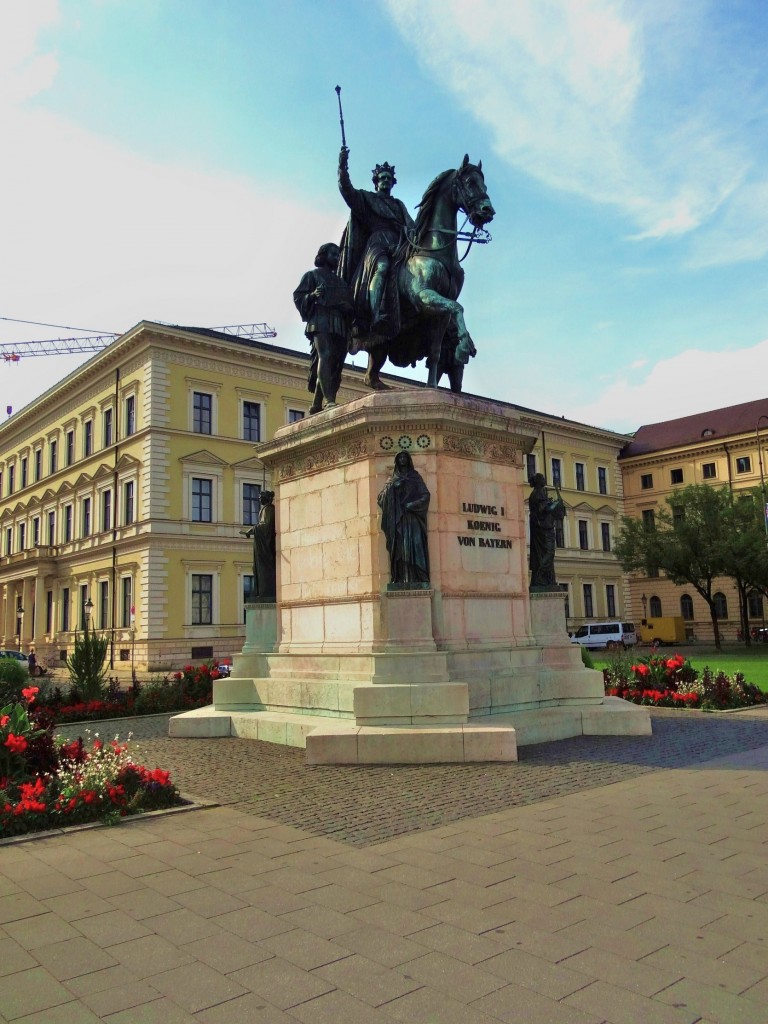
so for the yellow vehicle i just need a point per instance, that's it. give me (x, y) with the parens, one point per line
(667, 629)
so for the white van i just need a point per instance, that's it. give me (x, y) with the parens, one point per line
(600, 635)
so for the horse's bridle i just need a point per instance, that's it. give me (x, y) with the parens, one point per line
(464, 200)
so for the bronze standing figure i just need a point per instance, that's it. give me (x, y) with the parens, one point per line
(264, 550)
(324, 302)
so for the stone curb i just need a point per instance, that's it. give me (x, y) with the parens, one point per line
(193, 804)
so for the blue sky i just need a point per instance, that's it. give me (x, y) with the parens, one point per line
(176, 160)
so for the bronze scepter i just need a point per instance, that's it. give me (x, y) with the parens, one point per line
(341, 117)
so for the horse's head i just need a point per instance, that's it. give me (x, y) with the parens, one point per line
(471, 195)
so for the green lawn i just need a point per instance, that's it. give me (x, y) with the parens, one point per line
(752, 661)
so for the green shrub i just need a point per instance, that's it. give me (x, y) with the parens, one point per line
(86, 664)
(586, 658)
(13, 676)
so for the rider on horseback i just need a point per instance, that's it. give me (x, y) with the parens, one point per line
(376, 230)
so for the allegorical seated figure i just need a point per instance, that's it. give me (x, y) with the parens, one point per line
(404, 502)
(324, 303)
(264, 550)
(543, 513)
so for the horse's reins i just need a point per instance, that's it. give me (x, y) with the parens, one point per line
(479, 235)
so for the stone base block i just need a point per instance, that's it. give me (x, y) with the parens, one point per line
(616, 717)
(332, 744)
(442, 703)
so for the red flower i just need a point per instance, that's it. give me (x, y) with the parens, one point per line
(177, 676)
(641, 670)
(30, 692)
(4, 720)
(16, 744)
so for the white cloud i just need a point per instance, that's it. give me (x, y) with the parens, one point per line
(23, 71)
(592, 97)
(693, 381)
(117, 238)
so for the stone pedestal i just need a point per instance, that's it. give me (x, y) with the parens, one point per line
(366, 672)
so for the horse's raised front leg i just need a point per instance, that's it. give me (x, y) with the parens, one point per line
(433, 304)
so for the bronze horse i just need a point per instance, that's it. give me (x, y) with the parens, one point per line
(429, 281)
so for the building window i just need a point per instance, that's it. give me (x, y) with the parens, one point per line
(557, 472)
(649, 519)
(686, 607)
(52, 458)
(128, 503)
(755, 604)
(709, 470)
(24, 472)
(202, 412)
(251, 493)
(249, 583)
(130, 415)
(126, 585)
(65, 609)
(22, 536)
(721, 605)
(9, 541)
(36, 531)
(653, 574)
(602, 479)
(579, 476)
(202, 500)
(678, 515)
(106, 425)
(294, 415)
(87, 438)
(583, 535)
(610, 600)
(676, 476)
(744, 464)
(104, 604)
(86, 517)
(51, 529)
(251, 421)
(67, 523)
(69, 444)
(559, 534)
(588, 607)
(202, 599)
(646, 481)
(83, 602)
(38, 463)
(530, 465)
(605, 532)
(106, 510)
(11, 479)
(49, 612)
(654, 607)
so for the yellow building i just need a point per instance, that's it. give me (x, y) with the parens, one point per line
(718, 448)
(125, 487)
(123, 491)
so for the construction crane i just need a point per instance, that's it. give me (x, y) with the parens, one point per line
(12, 352)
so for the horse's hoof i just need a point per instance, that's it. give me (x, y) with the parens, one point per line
(376, 384)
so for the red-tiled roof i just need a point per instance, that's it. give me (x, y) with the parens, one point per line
(723, 423)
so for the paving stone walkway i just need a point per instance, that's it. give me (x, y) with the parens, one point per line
(594, 882)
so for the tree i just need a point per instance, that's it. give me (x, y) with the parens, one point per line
(87, 671)
(685, 542)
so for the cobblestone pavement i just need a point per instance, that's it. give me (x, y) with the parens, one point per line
(360, 805)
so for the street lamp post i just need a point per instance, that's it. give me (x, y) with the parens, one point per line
(644, 601)
(88, 610)
(19, 623)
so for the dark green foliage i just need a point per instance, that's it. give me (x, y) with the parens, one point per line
(13, 676)
(86, 664)
(586, 658)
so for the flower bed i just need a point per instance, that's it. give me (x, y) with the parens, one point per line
(190, 688)
(673, 683)
(44, 785)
